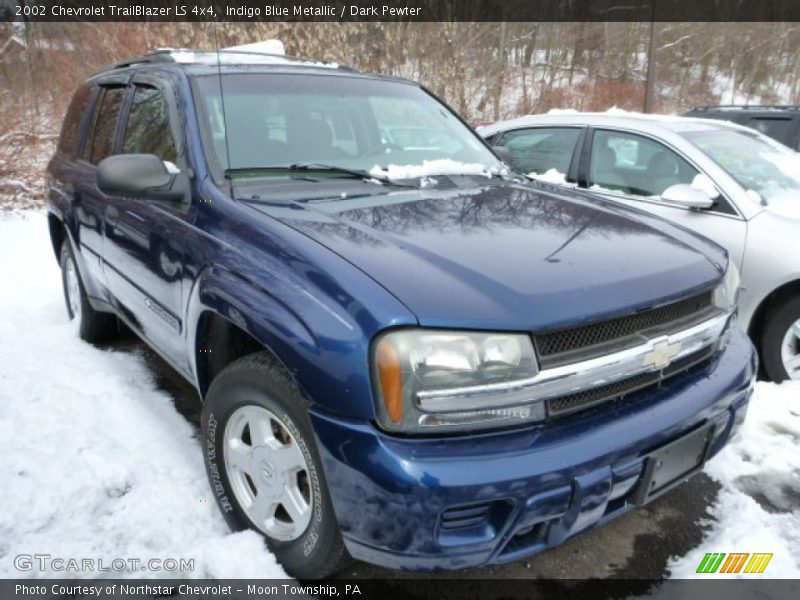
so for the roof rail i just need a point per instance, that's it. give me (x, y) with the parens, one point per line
(223, 56)
(750, 107)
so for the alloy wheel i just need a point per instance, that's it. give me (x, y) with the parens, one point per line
(790, 351)
(72, 289)
(268, 472)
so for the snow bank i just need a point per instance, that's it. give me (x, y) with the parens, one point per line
(758, 507)
(95, 461)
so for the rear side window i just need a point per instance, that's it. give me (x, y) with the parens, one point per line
(542, 149)
(70, 130)
(147, 130)
(776, 128)
(100, 143)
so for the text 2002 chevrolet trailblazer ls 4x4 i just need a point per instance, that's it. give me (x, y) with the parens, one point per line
(405, 355)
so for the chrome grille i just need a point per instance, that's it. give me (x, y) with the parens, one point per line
(564, 405)
(587, 341)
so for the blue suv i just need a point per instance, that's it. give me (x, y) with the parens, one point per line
(405, 354)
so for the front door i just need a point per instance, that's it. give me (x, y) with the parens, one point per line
(143, 249)
(635, 170)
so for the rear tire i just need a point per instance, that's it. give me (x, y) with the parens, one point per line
(260, 455)
(780, 342)
(93, 326)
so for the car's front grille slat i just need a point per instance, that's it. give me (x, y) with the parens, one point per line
(578, 344)
(587, 341)
(466, 517)
(565, 405)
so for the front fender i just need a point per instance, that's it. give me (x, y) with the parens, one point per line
(324, 351)
(768, 263)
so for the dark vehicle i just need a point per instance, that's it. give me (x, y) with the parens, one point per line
(426, 370)
(781, 123)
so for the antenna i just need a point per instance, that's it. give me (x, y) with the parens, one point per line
(222, 102)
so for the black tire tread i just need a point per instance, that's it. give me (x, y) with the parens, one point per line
(337, 557)
(779, 318)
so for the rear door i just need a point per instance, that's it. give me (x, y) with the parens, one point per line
(64, 189)
(144, 241)
(89, 202)
(636, 169)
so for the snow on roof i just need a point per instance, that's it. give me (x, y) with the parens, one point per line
(235, 56)
(562, 116)
(271, 46)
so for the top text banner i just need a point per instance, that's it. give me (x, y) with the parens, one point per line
(405, 10)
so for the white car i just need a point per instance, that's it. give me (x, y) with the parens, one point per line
(727, 182)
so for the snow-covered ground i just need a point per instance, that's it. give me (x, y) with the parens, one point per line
(758, 508)
(95, 461)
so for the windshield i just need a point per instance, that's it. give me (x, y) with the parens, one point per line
(755, 161)
(367, 125)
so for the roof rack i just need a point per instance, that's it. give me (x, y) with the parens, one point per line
(224, 57)
(750, 107)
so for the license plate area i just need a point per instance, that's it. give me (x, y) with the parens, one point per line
(672, 463)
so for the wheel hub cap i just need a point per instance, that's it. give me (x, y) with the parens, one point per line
(72, 289)
(268, 473)
(790, 351)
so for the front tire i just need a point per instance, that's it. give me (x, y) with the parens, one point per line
(780, 342)
(93, 326)
(264, 468)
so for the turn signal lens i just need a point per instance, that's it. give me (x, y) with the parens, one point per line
(391, 379)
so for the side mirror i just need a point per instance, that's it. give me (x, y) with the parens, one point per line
(143, 175)
(687, 196)
(503, 154)
(703, 183)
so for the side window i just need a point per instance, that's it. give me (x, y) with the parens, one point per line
(147, 130)
(70, 130)
(777, 128)
(100, 142)
(541, 149)
(636, 165)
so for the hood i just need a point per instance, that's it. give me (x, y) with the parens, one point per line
(509, 256)
(787, 209)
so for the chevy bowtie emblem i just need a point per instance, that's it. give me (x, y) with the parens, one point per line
(661, 355)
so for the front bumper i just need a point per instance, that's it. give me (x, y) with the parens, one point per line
(447, 503)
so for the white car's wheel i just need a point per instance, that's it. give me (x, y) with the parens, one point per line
(790, 350)
(780, 342)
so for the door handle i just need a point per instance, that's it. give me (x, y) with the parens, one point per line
(112, 215)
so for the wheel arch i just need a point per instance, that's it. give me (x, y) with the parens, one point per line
(229, 318)
(58, 233)
(782, 293)
(219, 342)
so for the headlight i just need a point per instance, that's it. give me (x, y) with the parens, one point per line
(434, 380)
(726, 296)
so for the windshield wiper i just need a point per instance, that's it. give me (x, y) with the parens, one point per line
(310, 167)
(365, 175)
